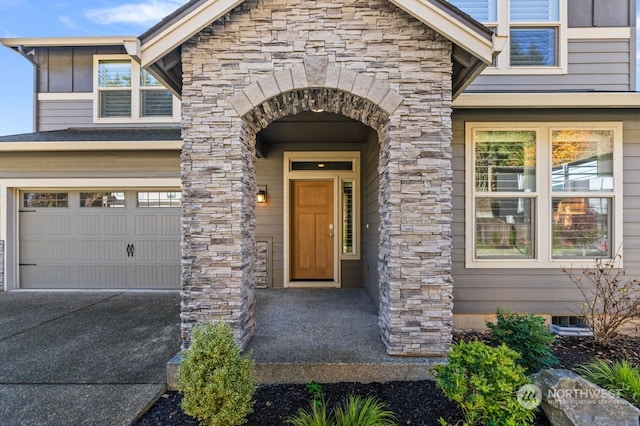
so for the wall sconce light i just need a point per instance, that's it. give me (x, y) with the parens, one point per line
(261, 196)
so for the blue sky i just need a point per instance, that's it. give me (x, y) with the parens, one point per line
(61, 18)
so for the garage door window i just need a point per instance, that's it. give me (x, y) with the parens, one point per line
(159, 199)
(102, 199)
(46, 199)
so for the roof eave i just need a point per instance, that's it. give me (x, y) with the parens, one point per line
(67, 41)
(175, 33)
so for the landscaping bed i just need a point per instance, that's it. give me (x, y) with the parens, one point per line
(414, 403)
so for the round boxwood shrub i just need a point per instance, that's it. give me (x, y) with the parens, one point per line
(216, 381)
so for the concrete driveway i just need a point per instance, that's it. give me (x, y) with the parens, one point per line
(71, 358)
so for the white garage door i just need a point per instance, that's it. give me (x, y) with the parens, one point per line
(99, 240)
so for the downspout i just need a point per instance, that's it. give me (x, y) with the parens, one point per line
(36, 68)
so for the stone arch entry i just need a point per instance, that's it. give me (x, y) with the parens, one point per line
(415, 312)
(316, 84)
(313, 85)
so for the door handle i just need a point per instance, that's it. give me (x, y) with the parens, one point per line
(331, 235)
(130, 250)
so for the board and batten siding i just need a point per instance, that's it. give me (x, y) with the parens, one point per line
(542, 291)
(593, 65)
(270, 216)
(69, 69)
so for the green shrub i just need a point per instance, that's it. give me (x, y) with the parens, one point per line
(621, 378)
(216, 381)
(359, 411)
(527, 335)
(484, 381)
(317, 415)
(356, 411)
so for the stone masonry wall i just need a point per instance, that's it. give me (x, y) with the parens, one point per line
(365, 59)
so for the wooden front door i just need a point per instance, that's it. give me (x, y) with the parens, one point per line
(312, 230)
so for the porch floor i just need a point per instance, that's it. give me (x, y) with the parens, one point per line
(326, 335)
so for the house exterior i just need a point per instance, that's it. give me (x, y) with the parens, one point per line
(446, 166)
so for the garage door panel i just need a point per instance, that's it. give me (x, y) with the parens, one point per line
(39, 224)
(157, 250)
(49, 251)
(100, 276)
(156, 277)
(105, 251)
(146, 225)
(89, 225)
(100, 247)
(45, 276)
(115, 225)
(170, 225)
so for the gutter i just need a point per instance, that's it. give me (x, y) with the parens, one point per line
(36, 68)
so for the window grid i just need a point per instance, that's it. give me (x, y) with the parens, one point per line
(102, 199)
(161, 199)
(45, 200)
(566, 226)
(536, 30)
(124, 91)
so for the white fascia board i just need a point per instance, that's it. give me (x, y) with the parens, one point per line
(66, 41)
(88, 182)
(445, 24)
(90, 146)
(547, 100)
(183, 29)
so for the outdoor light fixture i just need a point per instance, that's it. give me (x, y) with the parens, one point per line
(261, 196)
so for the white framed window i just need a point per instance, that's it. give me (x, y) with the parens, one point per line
(126, 93)
(159, 199)
(542, 194)
(536, 30)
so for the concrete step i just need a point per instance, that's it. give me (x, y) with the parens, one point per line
(402, 369)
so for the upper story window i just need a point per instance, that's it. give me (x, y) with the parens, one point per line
(537, 43)
(125, 92)
(543, 194)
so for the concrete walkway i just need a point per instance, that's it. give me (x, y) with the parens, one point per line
(69, 358)
(326, 335)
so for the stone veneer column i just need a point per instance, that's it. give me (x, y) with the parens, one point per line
(218, 183)
(363, 59)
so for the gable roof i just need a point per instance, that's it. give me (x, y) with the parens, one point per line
(474, 45)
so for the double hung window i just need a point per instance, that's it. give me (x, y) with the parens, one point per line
(124, 91)
(540, 194)
(535, 30)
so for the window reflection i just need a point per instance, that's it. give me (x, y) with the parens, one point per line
(102, 199)
(159, 199)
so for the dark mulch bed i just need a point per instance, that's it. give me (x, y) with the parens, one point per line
(414, 403)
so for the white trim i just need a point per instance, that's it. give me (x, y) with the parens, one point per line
(599, 33)
(210, 11)
(135, 96)
(547, 100)
(10, 205)
(82, 183)
(184, 29)
(71, 96)
(90, 146)
(338, 176)
(67, 41)
(503, 28)
(542, 239)
(441, 21)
